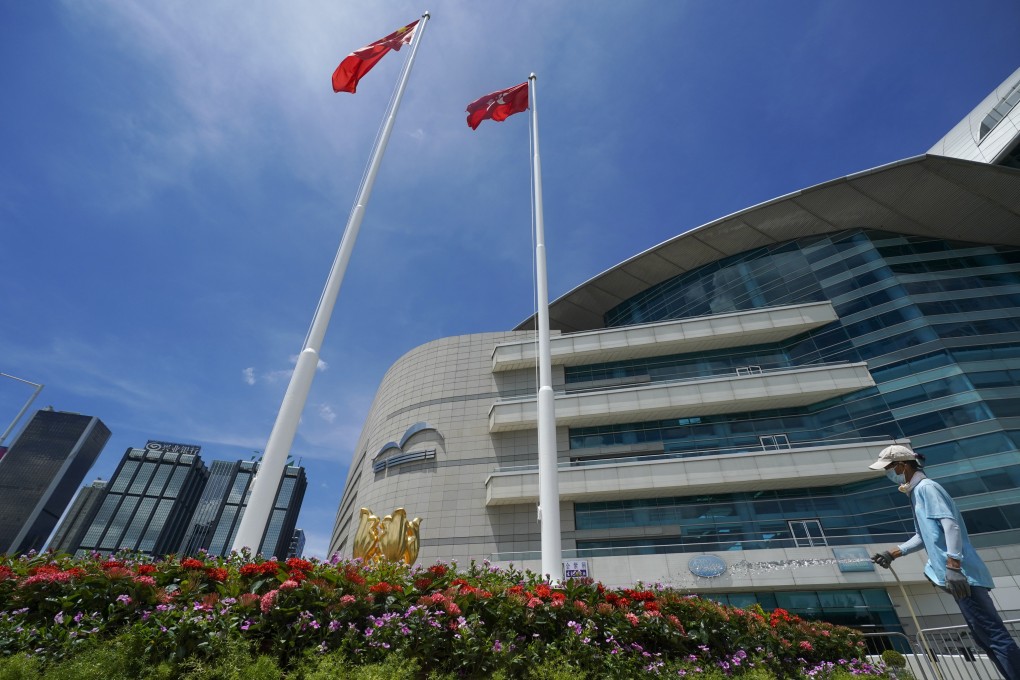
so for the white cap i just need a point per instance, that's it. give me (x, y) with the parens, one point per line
(893, 454)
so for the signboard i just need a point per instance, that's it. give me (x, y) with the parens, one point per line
(576, 569)
(170, 447)
(853, 559)
(707, 566)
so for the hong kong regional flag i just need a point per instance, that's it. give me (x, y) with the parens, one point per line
(498, 106)
(360, 62)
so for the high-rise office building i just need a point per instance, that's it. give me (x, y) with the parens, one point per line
(149, 500)
(78, 518)
(40, 473)
(719, 397)
(222, 505)
(297, 544)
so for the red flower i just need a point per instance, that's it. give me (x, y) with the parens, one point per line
(145, 569)
(218, 574)
(651, 606)
(44, 569)
(119, 572)
(382, 587)
(423, 583)
(192, 563)
(298, 576)
(353, 575)
(6, 572)
(299, 564)
(542, 591)
(110, 564)
(438, 570)
(251, 570)
(269, 568)
(515, 590)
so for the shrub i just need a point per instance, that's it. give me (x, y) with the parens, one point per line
(894, 659)
(200, 617)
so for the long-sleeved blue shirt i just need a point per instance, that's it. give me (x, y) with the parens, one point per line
(937, 518)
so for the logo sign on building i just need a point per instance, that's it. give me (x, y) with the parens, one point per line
(170, 447)
(707, 566)
(576, 569)
(853, 559)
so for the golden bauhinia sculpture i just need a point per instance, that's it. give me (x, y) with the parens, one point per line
(391, 538)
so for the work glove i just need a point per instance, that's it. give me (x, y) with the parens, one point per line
(883, 559)
(956, 584)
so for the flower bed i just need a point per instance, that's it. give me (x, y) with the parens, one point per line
(481, 621)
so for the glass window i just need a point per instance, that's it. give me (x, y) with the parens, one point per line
(112, 538)
(237, 490)
(286, 490)
(223, 526)
(174, 487)
(127, 471)
(141, 479)
(159, 519)
(141, 518)
(159, 480)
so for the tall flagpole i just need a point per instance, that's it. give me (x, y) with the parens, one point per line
(274, 459)
(548, 467)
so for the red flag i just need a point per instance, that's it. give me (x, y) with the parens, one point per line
(498, 106)
(360, 62)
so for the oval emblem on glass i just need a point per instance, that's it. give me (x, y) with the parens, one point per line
(707, 566)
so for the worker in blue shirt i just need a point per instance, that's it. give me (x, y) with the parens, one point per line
(953, 564)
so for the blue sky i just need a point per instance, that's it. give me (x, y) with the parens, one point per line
(175, 179)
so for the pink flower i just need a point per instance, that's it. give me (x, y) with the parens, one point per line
(145, 581)
(631, 618)
(534, 602)
(347, 600)
(805, 645)
(268, 600)
(289, 584)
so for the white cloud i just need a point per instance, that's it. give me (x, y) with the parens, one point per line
(249, 375)
(320, 367)
(327, 413)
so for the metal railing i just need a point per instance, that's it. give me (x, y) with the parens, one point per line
(952, 652)
(580, 460)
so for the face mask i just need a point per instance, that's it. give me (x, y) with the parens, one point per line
(899, 480)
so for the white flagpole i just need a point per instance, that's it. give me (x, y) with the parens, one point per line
(548, 467)
(274, 459)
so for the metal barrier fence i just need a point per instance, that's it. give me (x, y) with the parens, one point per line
(947, 653)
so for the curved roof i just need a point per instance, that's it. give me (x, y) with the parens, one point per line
(930, 196)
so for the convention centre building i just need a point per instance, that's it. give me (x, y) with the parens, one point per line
(720, 396)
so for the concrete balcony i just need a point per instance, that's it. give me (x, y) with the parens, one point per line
(811, 465)
(731, 393)
(736, 329)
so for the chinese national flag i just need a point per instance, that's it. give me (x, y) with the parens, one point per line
(498, 105)
(360, 62)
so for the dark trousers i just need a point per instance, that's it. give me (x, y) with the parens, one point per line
(990, 633)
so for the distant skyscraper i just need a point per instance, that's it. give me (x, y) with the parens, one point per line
(40, 472)
(223, 502)
(149, 500)
(78, 518)
(297, 544)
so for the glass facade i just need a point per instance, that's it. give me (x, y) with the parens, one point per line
(148, 503)
(79, 516)
(41, 473)
(221, 507)
(938, 323)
